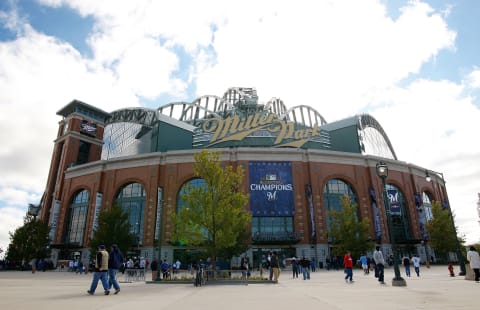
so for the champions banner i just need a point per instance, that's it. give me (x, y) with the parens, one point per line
(271, 189)
(393, 198)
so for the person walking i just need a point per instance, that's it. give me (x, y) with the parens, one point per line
(305, 263)
(101, 271)
(294, 267)
(348, 264)
(379, 264)
(154, 268)
(364, 262)
(115, 260)
(406, 264)
(269, 263)
(275, 265)
(416, 264)
(474, 259)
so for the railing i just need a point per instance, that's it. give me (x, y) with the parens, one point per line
(218, 276)
(133, 274)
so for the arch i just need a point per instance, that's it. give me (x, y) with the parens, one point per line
(132, 198)
(201, 108)
(333, 191)
(373, 139)
(276, 106)
(193, 182)
(304, 115)
(77, 217)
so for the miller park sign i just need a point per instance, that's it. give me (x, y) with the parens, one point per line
(257, 129)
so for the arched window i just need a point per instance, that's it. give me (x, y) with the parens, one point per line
(427, 206)
(183, 190)
(333, 193)
(132, 198)
(399, 213)
(77, 215)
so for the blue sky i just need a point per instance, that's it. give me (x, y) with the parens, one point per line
(413, 65)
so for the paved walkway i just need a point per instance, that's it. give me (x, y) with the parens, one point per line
(434, 289)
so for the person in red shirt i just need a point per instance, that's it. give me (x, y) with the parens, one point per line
(348, 264)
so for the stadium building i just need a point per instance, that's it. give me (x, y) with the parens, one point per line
(297, 166)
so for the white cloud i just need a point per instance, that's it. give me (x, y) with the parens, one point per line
(11, 219)
(473, 79)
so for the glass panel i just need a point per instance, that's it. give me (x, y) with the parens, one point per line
(132, 198)
(333, 193)
(427, 206)
(77, 218)
(196, 183)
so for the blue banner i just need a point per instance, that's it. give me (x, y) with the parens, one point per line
(394, 201)
(271, 189)
(376, 214)
(421, 215)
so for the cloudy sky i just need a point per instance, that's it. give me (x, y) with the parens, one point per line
(413, 65)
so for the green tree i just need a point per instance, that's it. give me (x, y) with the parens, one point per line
(441, 230)
(29, 241)
(347, 232)
(113, 228)
(213, 216)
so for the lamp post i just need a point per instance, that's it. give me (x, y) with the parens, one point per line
(33, 210)
(159, 215)
(382, 172)
(461, 261)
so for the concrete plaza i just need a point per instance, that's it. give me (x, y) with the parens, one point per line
(53, 290)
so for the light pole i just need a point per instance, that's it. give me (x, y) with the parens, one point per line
(33, 210)
(382, 172)
(159, 214)
(461, 261)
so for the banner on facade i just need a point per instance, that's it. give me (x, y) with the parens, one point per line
(98, 207)
(421, 215)
(54, 219)
(159, 212)
(394, 201)
(308, 194)
(271, 189)
(376, 214)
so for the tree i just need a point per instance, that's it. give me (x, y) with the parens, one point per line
(29, 241)
(441, 230)
(113, 228)
(347, 232)
(213, 216)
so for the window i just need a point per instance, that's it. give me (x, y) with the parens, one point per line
(132, 198)
(427, 206)
(83, 152)
(272, 225)
(77, 218)
(196, 183)
(333, 192)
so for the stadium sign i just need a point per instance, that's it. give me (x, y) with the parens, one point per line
(235, 128)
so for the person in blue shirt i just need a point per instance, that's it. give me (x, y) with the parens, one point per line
(115, 261)
(364, 262)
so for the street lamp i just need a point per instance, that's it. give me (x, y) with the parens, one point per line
(33, 210)
(382, 172)
(461, 261)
